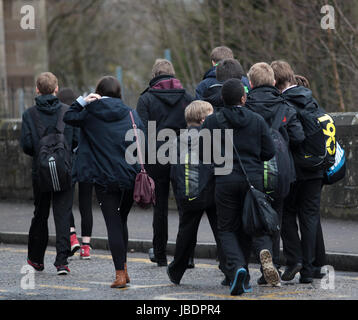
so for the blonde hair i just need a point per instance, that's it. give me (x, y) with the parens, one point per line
(261, 74)
(197, 111)
(162, 66)
(46, 83)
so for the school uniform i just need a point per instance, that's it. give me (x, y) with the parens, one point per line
(303, 202)
(48, 108)
(253, 141)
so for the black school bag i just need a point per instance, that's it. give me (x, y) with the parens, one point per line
(279, 172)
(54, 156)
(193, 181)
(318, 150)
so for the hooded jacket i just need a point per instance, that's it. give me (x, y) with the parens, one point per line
(251, 137)
(48, 107)
(164, 101)
(266, 101)
(210, 80)
(301, 98)
(101, 154)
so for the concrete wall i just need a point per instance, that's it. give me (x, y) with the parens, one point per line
(339, 200)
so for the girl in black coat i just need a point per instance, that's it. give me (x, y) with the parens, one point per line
(104, 121)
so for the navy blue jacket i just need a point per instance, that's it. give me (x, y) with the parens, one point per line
(210, 80)
(48, 107)
(102, 149)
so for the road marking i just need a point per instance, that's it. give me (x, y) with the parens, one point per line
(3, 291)
(64, 287)
(132, 286)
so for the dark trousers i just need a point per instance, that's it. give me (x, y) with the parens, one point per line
(38, 234)
(85, 205)
(160, 212)
(187, 237)
(235, 244)
(115, 207)
(302, 202)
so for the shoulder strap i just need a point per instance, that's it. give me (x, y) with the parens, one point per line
(137, 141)
(222, 121)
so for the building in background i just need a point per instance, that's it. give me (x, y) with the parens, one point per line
(23, 54)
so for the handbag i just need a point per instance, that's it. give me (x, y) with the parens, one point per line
(144, 186)
(258, 218)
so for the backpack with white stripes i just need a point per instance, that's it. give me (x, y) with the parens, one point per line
(54, 157)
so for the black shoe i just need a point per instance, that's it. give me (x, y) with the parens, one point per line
(162, 263)
(290, 272)
(261, 281)
(306, 280)
(226, 282)
(191, 264)
(171, 278)
(151, 255)
(318, 274)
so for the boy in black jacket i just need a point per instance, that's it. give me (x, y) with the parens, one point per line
(164, 103)
(225, 70)
(49, 109)
(266, 100)
(196, 181)
(252, 139)
(304, 198)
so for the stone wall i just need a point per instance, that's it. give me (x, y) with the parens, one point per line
(339, 200)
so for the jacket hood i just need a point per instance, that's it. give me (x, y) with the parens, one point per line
(48, 104)
(238, 117)
(210, 74)
(265, 101)
(213, 95)
(167, 89)
(299, 96)
(108, 109)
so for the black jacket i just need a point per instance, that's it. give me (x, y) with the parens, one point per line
(164, 102)
(300, 98)
(251, 138)
(266, 101)
(48, 107)
(101, 154)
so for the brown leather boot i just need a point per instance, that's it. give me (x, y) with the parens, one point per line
(120, 281)
(128, 280)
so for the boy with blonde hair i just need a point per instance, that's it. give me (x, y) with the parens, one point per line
(194, 188)
(265, 99)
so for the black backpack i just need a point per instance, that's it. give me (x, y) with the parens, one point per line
(193, 181)
(318, 150)
(53, 156)
(279, 172)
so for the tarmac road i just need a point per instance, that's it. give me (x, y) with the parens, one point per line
(91, 280)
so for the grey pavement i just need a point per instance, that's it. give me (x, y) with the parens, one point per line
(341, 236)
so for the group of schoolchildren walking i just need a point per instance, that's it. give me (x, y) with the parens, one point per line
(93, 129)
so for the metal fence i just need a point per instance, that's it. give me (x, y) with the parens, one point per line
(18, 100)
